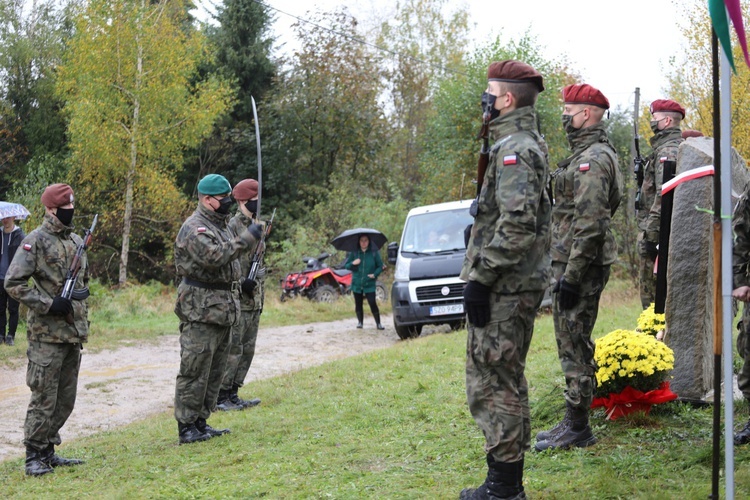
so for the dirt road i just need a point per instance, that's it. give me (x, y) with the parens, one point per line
(119, 386)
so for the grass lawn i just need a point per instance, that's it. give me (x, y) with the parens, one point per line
(392, 424)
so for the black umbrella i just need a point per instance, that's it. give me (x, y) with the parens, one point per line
(348, 241)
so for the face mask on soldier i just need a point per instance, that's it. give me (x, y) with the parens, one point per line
(488, 104)
(65, 215)
(567, 121)
(224, 205)
(252, 206)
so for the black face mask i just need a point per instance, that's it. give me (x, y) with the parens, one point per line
(252, 206)
(224, 205)
(65, 215)
(488, 105)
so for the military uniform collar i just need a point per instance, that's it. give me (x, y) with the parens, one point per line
(521, 119)
(666, 135)
(582, 138)
(52, 224)
(215, 217)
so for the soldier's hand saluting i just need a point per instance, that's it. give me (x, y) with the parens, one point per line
(477, 303)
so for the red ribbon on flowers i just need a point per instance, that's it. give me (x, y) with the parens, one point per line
(631, 400)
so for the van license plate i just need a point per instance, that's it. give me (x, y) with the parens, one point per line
(442, 310)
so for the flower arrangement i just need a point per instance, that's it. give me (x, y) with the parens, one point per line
(651, 323)
(633, 368)
(630, 358)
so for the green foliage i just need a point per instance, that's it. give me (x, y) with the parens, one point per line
(134, 107)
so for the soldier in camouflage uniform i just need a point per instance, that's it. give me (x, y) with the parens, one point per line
(208, 304)
(741, 278)
(244, 333)
(667, 138)
(507, 270)
(54, 350)
(588, 189)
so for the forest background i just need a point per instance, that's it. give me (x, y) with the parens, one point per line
(133, 101)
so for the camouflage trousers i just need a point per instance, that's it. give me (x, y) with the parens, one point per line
(496, 387)
(52, 376)
(573, 328)
(241, 349)
(743, 348)
(203, 357)
(647, 277)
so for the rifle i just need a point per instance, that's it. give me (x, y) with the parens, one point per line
(484, 152)
(639, 163)
(260, 250)
(75, 269)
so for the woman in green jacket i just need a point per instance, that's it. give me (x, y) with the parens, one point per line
(365, 265)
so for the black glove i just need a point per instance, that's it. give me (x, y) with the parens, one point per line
(248, 286)
(256, 230)
(568, 294)
(477, 303)
(61, 306)
(467, 234)
(651, 249)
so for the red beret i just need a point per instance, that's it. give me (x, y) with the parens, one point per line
(514, 72)
(57, 195)
(245, 190)
(691, 133)
(667, 105)
(584, 94)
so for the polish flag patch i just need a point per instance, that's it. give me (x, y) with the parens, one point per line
(583, 167)
(662, 159)
(27, 247)
(510, 160)
(202, 229)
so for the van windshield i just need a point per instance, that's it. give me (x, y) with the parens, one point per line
(436, 232)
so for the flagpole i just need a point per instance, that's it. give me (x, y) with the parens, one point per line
(725, 145)
(717, 302)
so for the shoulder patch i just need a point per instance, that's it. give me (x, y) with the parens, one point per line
(27, 246)
(202, 229)
(663, 159)
(583, 167)
(510, 160)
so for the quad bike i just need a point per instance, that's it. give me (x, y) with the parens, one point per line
(321, 283)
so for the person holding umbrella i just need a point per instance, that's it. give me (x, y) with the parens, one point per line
(11, 239)
(365, 264)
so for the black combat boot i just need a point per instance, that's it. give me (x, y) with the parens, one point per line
(224, 401)
(743, 436)
(54, 460)
(35, 464)
(2, 339)
(545, 435)
(203, 427)
(504, 481)
(189, 433)
(577, 434)
(244, 403)
(10, 340)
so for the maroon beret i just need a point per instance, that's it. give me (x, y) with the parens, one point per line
(245, 190)
(691, 133)
(514, 72)
(584, 94)
(57, 195)
(667, 105)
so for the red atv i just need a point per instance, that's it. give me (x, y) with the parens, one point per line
(321, 283)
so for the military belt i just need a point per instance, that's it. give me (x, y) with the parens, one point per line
(207, 286)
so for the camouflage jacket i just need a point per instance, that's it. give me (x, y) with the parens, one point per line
(588, 189)
(509, 244)
(44, 257)
(237, 224)
(665, 145)
(207, 251)
(741, 248)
